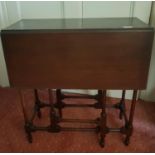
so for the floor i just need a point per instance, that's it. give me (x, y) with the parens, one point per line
(13, 139)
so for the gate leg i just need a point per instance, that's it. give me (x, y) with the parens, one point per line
(27, 123)
(54, 119)
(37, 103)
(122, 104)
(59, 102)
(103, 127)
(129, 126)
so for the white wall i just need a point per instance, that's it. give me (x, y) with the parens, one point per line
(149, 94)
(67, 9)
(106, 9)
(41, 9)
(142, 10)
(72, 9)
(8, 15)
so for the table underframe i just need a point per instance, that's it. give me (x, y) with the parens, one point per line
(101, 122)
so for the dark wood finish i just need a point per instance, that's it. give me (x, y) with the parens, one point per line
(85, 24)
(28, 123)
(100, 128)
(22, 105)
(103, 118)
(79, 121)
(75, 58)
(37, 103)
(101, 54)
(59, 102)
(54, 119)
(121, 105)
(129, 126)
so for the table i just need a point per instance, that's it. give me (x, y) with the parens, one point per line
(91, 53)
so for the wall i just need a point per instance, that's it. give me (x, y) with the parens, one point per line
(77, 9)
(149, 94)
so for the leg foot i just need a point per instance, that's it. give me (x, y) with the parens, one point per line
(126, 141)
(29, 137)
(102, 142)
(28, 132)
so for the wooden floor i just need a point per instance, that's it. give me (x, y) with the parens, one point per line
(13, 139)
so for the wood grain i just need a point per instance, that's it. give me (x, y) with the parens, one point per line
(115, 59)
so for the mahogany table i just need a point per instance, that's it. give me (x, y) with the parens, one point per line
(101, 53)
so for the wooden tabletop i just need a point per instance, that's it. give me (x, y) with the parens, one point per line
(78, 24)
(101, 53)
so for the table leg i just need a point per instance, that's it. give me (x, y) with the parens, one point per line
(54, 119)
(37, 103)
(103, 127)
(129, 126)
(122, 104)
(27, 123)
(59, 102)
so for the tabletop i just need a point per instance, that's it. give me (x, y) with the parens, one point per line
(79, 24)
(92, 53)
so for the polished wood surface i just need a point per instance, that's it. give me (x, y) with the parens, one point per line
(114, 58)
(77, 24)
(79, 54)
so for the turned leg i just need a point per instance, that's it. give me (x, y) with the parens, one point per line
(37, 103)
(54, 119)
(122, 104)
(103, 127)
(28, 131)
(27, 123)
(98, 104)
(129, 125)
(59, 102)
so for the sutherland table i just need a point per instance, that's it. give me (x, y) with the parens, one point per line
(102, 54)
